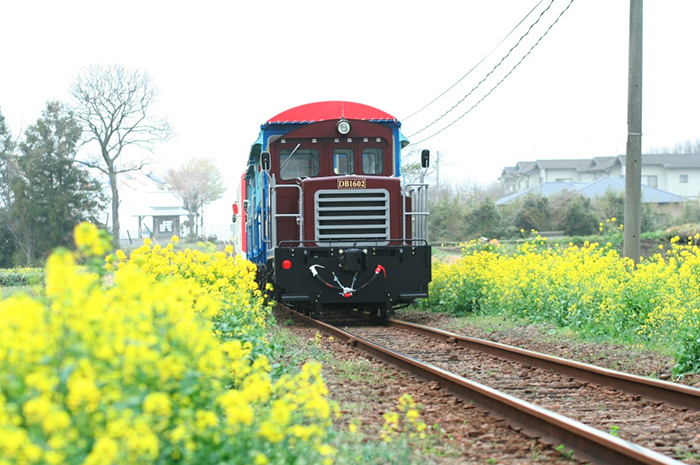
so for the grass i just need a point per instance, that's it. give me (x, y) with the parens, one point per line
(362, 445)
(7, 291)
(358, 370)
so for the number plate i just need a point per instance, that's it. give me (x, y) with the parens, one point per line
(352, 183)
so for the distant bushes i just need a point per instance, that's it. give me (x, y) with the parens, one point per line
(684, 231)
(459, 216)
(21, 277)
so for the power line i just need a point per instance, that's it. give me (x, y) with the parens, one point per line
(494, 87)
(475, 66)
(489, 73)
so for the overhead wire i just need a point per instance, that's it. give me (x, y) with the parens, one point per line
(497, 84)
(490, 72)
(475, 66)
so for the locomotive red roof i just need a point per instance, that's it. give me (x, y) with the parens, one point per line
(322, 111)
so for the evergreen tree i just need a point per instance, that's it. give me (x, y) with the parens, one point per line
(533, 213)
(447, 220)
(51, 193)
(611, 205)
(484, 220)
(573, 214)
(8, 244)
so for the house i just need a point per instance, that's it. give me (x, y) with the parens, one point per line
(675, 174)
(595, 189)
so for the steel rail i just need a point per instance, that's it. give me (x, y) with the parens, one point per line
(676, 395)
(587, 443)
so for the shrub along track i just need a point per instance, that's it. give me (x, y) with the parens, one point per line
(548, 390)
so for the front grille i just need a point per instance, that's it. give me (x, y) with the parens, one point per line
(348, 217)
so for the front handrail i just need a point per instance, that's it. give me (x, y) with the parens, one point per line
(299, 216)
(419, 195)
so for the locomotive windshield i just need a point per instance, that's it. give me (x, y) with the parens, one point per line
(301, 163)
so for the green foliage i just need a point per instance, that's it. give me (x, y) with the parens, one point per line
(588, 289)
(688, 357)
(533, 213)
(458, 289)
(357, 448)
(484, 220)
(8, 246)
(691, 211)
(611, 205)
(568, 453)
(447, 220)
(683, 232)
(461, 215)
(50, 194)
(572, 214)
(21, 277)
(654, 217)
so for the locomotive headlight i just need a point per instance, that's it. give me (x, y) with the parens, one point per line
(343, 126)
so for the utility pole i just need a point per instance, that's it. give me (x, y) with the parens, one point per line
(633, 161)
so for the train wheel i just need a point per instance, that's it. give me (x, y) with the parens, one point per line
(386, 311)
(318, 310)
(261, 278)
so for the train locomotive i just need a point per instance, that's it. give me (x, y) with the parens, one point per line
(324, 214)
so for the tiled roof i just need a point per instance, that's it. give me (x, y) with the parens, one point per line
(670, 161)
(594, 189)
(601, 164)
(579, 165)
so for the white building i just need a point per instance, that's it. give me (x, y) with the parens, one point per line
(677, 174)
(147, 209)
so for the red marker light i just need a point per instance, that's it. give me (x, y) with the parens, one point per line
(286, 264)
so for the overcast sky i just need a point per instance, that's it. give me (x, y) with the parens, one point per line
(223, 68)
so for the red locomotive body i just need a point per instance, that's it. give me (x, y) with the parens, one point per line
(329, 222)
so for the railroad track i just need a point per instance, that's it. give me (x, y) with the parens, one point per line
(676, 395)
(593, 411)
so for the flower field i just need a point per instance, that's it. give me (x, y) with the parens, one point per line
(589, 289)
(158, 357)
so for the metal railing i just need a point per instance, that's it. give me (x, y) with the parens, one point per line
(418, 193)
(299, 215)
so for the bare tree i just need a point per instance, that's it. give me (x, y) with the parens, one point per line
(113, 104)
(198, 182)
(688, 146)
(411, 166)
